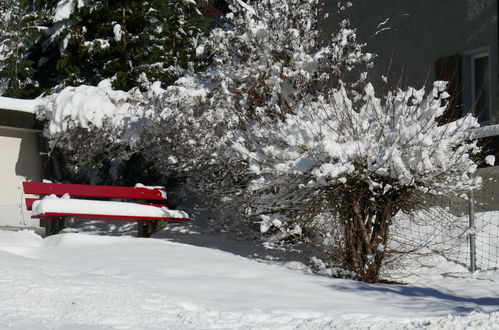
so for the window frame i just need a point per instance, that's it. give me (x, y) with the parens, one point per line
(473, 86)
(468, 81)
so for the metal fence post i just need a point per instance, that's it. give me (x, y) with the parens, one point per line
(472, 233)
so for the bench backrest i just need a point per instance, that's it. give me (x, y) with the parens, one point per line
(81, 190)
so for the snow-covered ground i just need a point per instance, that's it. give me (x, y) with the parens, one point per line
(81, 281)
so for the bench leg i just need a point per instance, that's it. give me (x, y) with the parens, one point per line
(144, 229)
(147, 228)
(54, 226)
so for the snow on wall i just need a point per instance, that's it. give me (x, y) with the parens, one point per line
(84, 106)
(30, 106)
(486, 131)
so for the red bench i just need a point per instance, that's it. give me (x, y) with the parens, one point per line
(60, 210)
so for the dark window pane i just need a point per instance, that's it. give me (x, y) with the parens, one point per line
(482, 88)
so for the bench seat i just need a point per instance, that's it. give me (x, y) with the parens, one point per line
(52, 206)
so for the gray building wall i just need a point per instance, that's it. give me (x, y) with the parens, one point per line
(422, 31)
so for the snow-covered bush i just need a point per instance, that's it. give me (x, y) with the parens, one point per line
(313, 155)
(87, 128)
(336, 172)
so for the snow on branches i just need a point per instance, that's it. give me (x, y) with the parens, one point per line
(395, 137)
(268, 56)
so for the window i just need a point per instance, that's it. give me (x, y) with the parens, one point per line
(480, 87)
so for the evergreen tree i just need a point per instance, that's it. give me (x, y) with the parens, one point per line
(18, 32)
(85, 42)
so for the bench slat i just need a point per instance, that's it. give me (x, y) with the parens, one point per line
(81, 190)
(104, 217)
(29, 203)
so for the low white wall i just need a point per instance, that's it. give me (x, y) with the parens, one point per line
(19, 161)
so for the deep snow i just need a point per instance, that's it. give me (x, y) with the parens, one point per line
(80, 281)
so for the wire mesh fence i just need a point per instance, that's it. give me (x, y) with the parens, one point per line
(486, 229)
(463, 230)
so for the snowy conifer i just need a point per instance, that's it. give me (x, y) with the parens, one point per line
(86, 42)
(18, 32)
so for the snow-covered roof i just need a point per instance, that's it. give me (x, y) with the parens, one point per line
(8, 103)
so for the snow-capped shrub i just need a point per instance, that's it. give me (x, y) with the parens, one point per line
(314, 156)
(336, 172)
(93, 129)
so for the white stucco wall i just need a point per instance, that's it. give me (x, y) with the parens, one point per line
(19, 161)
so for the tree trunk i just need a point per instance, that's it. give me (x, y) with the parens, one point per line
(366, 231)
